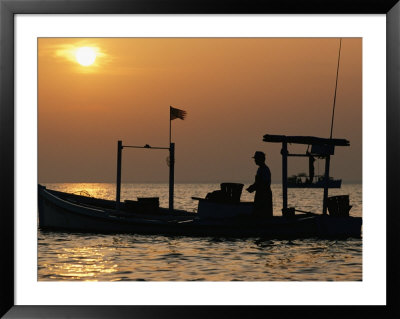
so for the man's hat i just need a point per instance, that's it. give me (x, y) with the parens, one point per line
(259, 154)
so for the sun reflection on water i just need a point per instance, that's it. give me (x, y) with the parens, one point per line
(83, 263)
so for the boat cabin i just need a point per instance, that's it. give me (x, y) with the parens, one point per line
(321, 148)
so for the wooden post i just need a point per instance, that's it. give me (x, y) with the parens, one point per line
(284, 153)
(119, 162)
(171, 175)
(326, 185)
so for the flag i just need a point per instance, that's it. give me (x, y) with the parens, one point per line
(176, 114)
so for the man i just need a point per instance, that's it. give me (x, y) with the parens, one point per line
(311, 161)
(262, 186)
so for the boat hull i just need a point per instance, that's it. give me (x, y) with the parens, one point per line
(56, 213)
(208, 209)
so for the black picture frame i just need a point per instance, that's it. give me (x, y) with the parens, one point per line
(8, 9)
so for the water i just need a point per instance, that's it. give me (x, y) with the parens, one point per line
(122, 257)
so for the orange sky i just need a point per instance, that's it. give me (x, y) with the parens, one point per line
(234, 90)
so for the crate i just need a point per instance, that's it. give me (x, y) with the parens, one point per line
(232, 191)
(338, 206)
(229, 193)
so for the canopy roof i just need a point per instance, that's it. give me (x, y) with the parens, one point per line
(308, 140)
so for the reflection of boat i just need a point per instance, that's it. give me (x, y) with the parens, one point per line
(72, 212)
(300, 181)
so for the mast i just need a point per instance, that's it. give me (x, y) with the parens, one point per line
(328, 156)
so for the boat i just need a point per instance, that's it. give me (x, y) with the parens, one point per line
(220, 213)
(301, 181)
(78, 213)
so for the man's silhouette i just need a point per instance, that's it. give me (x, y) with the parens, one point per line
(262, 186)
(311, 161)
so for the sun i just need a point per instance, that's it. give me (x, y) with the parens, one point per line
(85, 56)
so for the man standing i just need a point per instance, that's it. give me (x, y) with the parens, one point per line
(311, 161)
(262, 186)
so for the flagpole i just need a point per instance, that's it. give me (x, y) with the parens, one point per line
(177, 114)
(171, 167)
(170, 125)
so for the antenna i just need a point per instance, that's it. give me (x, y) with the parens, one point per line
(337, 75)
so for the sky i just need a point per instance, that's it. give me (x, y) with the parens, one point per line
(234, 90)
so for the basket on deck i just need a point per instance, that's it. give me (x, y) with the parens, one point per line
(229, 192)
(338, 206)
(233, 191)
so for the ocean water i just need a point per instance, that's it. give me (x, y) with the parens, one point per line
(64, 256)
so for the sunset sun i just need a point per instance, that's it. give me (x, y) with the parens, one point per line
(85, 56)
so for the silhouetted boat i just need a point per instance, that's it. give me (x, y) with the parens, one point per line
(300, 181)
(72, 212)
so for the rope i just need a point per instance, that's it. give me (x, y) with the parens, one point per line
(82, 193)
(337, 75)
